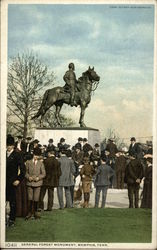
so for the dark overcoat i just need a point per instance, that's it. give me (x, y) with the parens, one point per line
(15, 170)
(87, 147)
(112, 148)
(120, 164)
(134, 171)
(147, 189)
(53, 172)
(135, 151)
(78, 157)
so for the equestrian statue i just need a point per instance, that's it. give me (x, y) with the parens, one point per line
(75, 93)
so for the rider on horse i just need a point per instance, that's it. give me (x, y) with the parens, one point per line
(70, 80)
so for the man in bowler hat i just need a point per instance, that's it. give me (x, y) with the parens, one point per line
(134, 149)
(133, 176)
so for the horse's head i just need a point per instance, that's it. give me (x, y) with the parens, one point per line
(92, 75)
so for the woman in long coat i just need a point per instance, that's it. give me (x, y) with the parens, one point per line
(147, 188)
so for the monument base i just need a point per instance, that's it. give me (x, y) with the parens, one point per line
(69, 134)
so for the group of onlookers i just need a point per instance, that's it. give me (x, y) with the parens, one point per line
(46, 167)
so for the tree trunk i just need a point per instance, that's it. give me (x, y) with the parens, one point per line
(25, 129)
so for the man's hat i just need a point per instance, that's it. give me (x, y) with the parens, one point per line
(103, 158)
(84, 139)
(35, 141)
(63, 150)
(148, 157)
(149, 143)
(132, 139)
(19, 137)
(9, 135)
(50, 140)
(37, 151)
(96, 145)
(80, 139)
(78, 146)
(68, 153)
(10, 141)
(62, 139)
(29, 138)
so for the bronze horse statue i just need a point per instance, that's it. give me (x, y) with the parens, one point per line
(57, 96)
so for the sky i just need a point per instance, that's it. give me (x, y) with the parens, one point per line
(118, 40)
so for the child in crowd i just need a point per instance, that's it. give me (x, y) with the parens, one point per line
(35, 172)
(87, 172)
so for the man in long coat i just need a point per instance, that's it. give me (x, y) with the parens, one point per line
(51, 180)
(112, 149)
(133, 176)
(65, 180)
(15, 172)
(120, 165)
(147, 188)
(102, 181)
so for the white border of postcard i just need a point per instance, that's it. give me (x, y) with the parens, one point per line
(71, 245)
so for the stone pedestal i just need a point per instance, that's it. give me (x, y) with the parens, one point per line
(70, 134)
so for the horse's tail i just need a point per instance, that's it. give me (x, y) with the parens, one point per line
(42, 106)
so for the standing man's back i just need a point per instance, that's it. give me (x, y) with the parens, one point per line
(65, 180)
(134, 175)
(53, 172)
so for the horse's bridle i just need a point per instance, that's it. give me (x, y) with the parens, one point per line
(95, 85)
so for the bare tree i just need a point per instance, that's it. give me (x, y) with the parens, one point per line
(111, 133)
(27, 79)
(49, 120)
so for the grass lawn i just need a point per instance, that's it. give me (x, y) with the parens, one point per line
(85, 225)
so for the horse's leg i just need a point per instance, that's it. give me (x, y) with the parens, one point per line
(58, 109)
(41, 121)
(47, 102)
(81, 121)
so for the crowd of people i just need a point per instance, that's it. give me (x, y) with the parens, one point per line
(32, 169)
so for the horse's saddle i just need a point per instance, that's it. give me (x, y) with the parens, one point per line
(66, 88)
